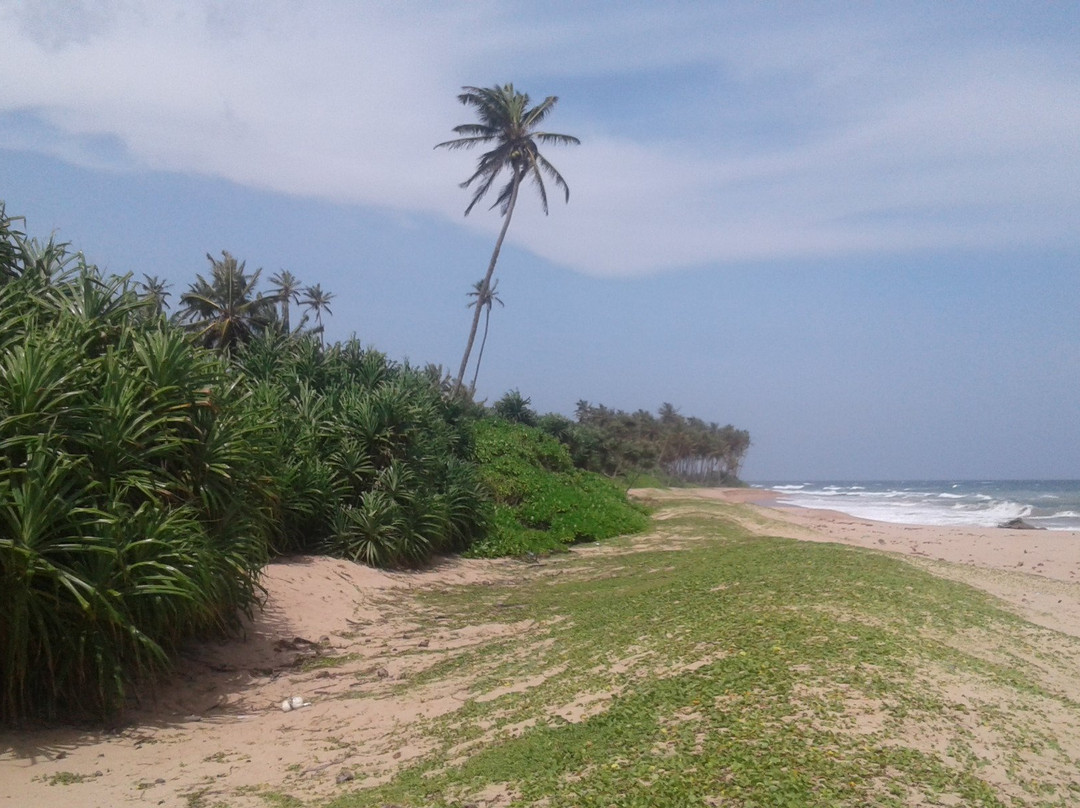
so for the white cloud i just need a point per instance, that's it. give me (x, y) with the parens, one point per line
(807, 138)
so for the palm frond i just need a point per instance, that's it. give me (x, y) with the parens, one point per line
(538, 179)
(553, 172)
(537, 114)
(463, 143)
(556, 139)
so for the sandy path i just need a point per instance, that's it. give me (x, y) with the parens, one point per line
(219, 725)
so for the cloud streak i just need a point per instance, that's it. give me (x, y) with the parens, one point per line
(781, 137)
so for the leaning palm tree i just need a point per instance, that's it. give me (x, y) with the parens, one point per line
(318, 301)
(287, 289)
(508, 123)
(225, 311)
(484, 297)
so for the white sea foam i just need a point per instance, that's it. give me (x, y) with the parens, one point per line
(960, 505)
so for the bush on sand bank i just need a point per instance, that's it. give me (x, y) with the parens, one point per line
(132, 513)
(542, 503)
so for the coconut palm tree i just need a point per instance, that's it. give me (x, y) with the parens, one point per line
(318, 301)
(515, 407)
(287, 290)
(484, 297)
(508, 124)
(154, 292)
(225, 311)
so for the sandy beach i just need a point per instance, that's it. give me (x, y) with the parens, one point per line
(217, 726)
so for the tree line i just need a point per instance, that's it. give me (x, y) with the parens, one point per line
(670, 447)
(227, 309)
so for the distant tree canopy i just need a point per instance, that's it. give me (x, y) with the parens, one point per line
(685, 449)
(675, 448)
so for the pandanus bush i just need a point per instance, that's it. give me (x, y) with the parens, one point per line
(374, 461)
(134, 498)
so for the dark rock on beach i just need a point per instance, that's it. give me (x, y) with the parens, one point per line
(1019, 524)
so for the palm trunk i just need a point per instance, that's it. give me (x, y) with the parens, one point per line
(487, 281)
(480, 355)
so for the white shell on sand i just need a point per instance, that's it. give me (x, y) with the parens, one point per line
(294, 703)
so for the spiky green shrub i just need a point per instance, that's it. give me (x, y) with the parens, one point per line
(374, 461)
(542, 503)
(132, 513)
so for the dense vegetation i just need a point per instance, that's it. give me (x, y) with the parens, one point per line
(634, 446)
(686, 449)
(135, 500)
(151, 465)
(149, 469)
(373, 462)
(542, 502)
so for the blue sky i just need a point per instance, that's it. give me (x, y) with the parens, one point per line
(851, 229)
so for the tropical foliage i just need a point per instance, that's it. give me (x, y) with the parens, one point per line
(374, 462)
(515, 407)
(146, 479)
(133, 512)
(507, 123)
(317, 301)
(225, 311)
(287, 292)
(150, 466)
(542, 502)
(675, 448)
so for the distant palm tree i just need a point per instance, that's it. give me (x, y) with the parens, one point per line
(225, 311)
(484, 297)
(509, 124)
(287, 289)
(515, 407)
(318, 301)
(153, 291)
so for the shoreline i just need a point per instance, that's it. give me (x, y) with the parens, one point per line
(1040, 504)
(1051, 554)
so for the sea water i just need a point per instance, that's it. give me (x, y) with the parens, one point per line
(1051, 504)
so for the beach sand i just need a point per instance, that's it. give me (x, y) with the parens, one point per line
(332, 629)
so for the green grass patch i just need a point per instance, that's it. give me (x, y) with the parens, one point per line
(69, 778)
(742, 671)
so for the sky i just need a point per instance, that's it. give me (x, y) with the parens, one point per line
(851, 229)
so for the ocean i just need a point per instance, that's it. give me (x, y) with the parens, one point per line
(1051, 504)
